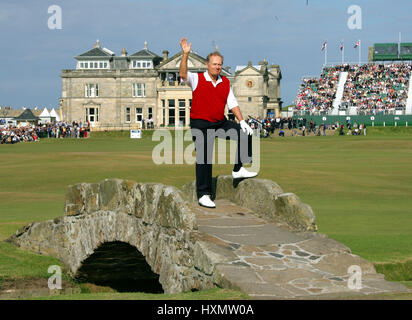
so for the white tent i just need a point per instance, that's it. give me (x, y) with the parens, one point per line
(54, 114)
(45, 114)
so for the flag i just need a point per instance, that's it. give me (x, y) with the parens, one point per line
(341, 46)
(357, 44)
(324, 45)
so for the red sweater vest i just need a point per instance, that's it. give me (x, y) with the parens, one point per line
(209, 102)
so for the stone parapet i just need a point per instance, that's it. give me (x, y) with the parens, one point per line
(263, 197)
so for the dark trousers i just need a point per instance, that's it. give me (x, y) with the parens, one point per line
(204, 134)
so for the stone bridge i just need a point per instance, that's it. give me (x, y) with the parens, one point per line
(259, 240)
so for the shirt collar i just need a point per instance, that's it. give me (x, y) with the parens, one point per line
(208, 78)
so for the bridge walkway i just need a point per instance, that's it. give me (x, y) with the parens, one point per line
(269, 262)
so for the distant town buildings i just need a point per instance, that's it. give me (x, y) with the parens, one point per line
(25, 116)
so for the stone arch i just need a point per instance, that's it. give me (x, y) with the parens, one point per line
(120, 266)
(153, 218)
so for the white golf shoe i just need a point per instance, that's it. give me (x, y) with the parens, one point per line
(205, 201)
(243, 173)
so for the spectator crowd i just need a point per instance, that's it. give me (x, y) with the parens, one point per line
(372, 88)
(268, 126)
(377, 88)
(11, 134)
(302, 126)
(318, 94)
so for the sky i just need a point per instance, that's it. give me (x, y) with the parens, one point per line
(287, 33)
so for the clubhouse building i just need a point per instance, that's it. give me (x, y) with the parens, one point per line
(114, 92)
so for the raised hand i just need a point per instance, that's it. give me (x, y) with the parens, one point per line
(185, 46)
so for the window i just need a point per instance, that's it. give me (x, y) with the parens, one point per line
(182, 112)
(93, 65)
(128, 114)
(139, 114)
(91, 90)
(162, 121)
(92, 114)
(139, 90)
(141, 64)
(150, 113)
(249, 99)
(171, 112)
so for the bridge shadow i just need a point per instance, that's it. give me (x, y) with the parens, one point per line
(120, 266)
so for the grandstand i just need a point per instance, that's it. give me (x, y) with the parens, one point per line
(381, 87)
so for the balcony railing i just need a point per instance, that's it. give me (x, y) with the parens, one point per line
(172, 84)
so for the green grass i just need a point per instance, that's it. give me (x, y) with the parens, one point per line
(20, 264)
(396, 271)
(359, 187)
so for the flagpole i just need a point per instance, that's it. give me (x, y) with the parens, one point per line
(326, 54)
(360, 50)
(343, 50)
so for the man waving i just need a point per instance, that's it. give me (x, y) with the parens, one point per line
(211, 93)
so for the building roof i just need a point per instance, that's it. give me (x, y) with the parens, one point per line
(239, 68)
(9, 113)
(120, 63)
(96, 52)
(27, 115)
(145, 53)
(192, 55)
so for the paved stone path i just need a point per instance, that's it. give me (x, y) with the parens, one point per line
(268, 262)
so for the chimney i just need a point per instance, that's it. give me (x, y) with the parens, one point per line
(145, 45)
(264, 62)
(165, 55)
(124, 53)
(263, 65)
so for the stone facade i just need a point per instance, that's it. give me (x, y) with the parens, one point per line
(258, 86)
(103, 89)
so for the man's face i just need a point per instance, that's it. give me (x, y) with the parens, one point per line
(214, 66)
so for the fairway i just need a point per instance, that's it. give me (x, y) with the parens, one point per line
(359, 187)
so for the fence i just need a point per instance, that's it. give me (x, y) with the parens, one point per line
(369, 120)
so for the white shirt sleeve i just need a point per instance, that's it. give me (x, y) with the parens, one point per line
(231, 100)
(192, 80)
